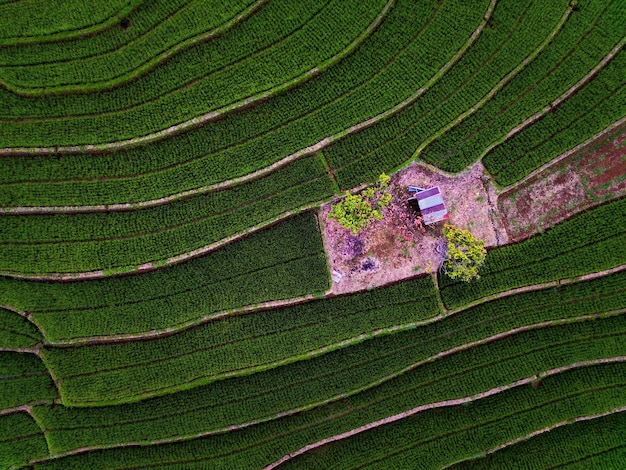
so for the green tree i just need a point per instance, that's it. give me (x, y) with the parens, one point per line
(357, 211)
(465, 254)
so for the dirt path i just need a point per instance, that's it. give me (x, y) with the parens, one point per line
(446, 403)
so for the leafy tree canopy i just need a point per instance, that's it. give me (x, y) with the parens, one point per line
(465, 254)
(357, 211)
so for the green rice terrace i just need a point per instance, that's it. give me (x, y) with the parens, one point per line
(178, 288)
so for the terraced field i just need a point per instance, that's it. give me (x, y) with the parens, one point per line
(165, 275)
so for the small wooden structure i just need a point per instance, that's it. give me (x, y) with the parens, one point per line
(430, 202)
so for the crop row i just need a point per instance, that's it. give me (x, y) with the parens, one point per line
(303, 384)
(112, 372)
(585, 40)
(329, 36)
(21, 441)
(501, 363)
(184, 68)
(34, 21)
(439, 437)
(143, 17)
(280, 262)
(127, 371)
(590, 111)
(589, 242)
(23, 379)
(249, 140)
(521, 28)
(590, 444)
(94, 241)
(114, 68)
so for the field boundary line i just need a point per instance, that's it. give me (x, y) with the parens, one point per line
(544, 285)
(555, 103)
(144, 68)
(329, 294)
(204, 379)
(501, 84)
(445, 403)
(19, 409)
(36, 350)
(312, 149)
(540, 431)
(152, 334)
(210, 116)
(506, 190)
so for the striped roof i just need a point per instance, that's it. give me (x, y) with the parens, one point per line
(431, 205)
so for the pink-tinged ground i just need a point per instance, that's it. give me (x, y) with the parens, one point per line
(589, 176)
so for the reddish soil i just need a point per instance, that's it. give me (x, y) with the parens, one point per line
(398, 247)
(591, 175)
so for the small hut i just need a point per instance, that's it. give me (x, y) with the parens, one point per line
(430, 202)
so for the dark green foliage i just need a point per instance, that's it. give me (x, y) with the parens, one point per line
(280, 262)
(318, 44)
(241, 400)
(44, 20)
(239, 143)
(16, 331)
(93, 241)
(237, 345)
(21, 441)
(579, 444)
(589, 34)
(591, 110)
(24, 379)
(520, 28)
(589, 242)
(512, 358)
(138, 56)
(439, 437)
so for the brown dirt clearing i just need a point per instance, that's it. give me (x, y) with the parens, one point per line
(590, 176)
(395, 247)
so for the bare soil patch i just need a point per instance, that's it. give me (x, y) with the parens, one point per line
(590, 176)
(397, 247)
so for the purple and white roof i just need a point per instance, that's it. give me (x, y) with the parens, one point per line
(431, 205)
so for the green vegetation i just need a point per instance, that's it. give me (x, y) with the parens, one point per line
(22, 440)
(196, 21)
(16, 331)
(400, 359)
(24, 380)
(437, 437)
(165, 294)
(266, 442)
(596, 443)
(357, 211)
(233, 345)
(103, 240)
(280, 262)
(465, 254)
(586, 243)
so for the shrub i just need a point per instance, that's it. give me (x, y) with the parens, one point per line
(465, 254)
(356, 211)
